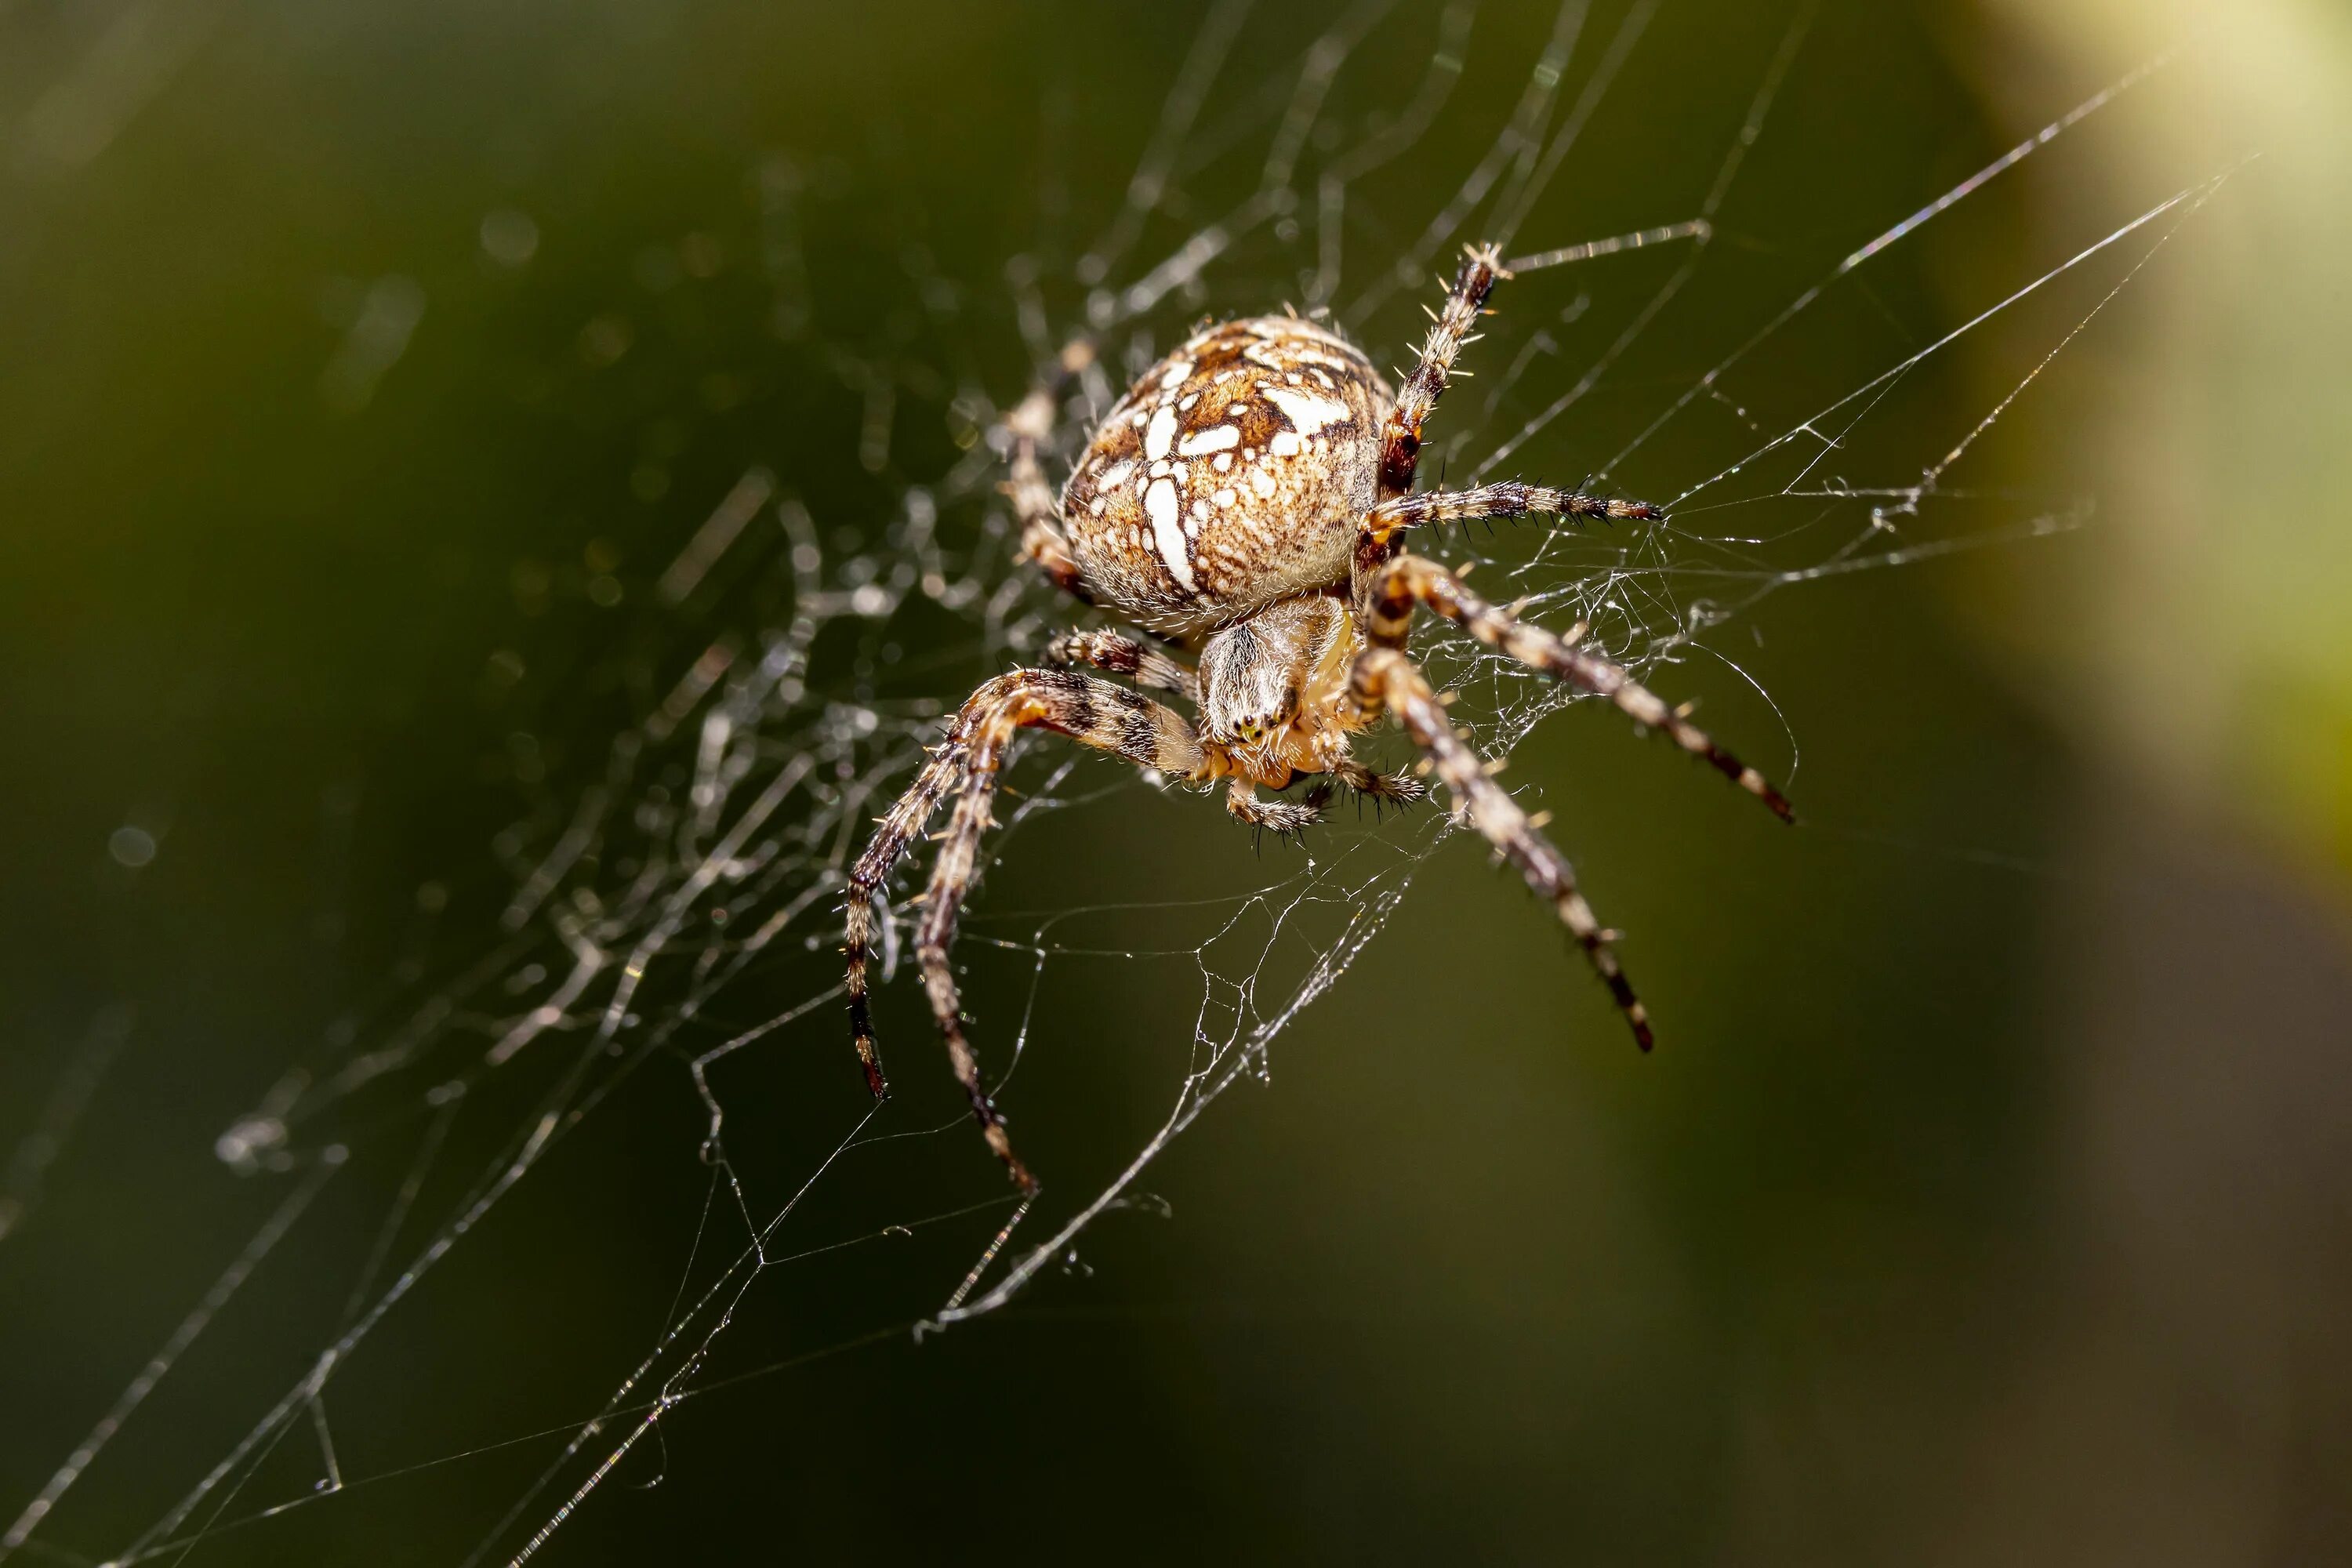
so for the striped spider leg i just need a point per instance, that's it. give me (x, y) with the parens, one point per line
(1029, 427)
(1092, 712)
(1386, 679)
(1390, 585)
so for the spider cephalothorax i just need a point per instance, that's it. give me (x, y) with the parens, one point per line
(1244, 504)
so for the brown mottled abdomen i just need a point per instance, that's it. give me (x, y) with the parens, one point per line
(1231, 475)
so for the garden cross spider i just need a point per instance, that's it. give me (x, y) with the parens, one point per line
(1245, 501)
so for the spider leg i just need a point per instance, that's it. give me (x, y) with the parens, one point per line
(1409, 580)
(1033, 503)
(1284, 816)
(1384, 679)
(1122, 655)
(1401, 434)
(1287, 818)
(1401, 788)
(1509, 499)
(896, 828)
(1094, 713)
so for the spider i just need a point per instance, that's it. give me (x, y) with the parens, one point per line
(1246, 502)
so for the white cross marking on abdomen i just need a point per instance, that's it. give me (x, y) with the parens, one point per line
(1168, 533)
(1307, 411)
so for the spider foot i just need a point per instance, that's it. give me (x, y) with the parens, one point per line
(1393, 789)
(1283, 818)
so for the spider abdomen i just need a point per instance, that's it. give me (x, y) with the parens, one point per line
(1232, 474)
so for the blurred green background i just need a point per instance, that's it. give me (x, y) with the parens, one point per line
(363, 365)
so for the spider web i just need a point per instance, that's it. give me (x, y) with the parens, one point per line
(666, 924)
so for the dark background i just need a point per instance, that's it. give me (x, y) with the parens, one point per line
(1987, 1200)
